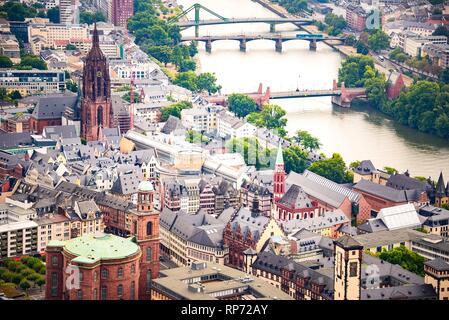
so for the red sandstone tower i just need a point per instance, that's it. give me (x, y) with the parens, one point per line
(279, 176)
(147, 236)
(96, 108)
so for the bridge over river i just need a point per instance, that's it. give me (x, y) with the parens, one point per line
(341, 96)
(278, 38)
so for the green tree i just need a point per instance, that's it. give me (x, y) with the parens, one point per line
(15, 95)
(161, 53)
(352, 70)
(295, 159)
(16, 11)
(333, 169)
(207, 82)
(71, 85)
(406, 258)
(53, 14)
(187, 80)
(390, 170)
(174, 110)
(187, 65)
(252, 151)
(24, 285)
(70, 47)
(91, 17)
(306, 140)
(378, 40)
(5, 62)
(441, 31)
(444, 76)
(193, 49)
(241, 104)
(272, 116)
(33, 62)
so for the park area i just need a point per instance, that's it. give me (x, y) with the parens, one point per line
(22, 278)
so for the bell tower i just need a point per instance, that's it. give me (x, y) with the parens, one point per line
(96, 107)
(348, 268)
(279, 176)
(146, 230)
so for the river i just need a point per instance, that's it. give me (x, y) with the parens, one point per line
(356, 134)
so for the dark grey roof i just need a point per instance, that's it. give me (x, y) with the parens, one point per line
(409, 292)
(15, 139)
(365, 167)
(434, 216)
(172, 124)
(127, 182)
(404, 182)
(247, 223)
(348, 242)
(387, 193)
(56, 132)
(372, 225)
(438, 264)
(295, 198)
(53, 107)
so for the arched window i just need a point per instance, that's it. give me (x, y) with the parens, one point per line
(149, 228)
(79, 294)
(100, 116)
(54, 261)
(119, 291)
(95, 276)
(104, 273)
(133, 269)
(120, 272)
(94, 296)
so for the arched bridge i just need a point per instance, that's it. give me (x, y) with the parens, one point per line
(341, 96)
(278, 38)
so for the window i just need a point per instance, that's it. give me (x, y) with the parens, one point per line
(54, 261)
(133, 288)
(149, 228)
(104, 293)
(104, 273)
(120, 291)
(95, 276)
(120, 272)
(133, 269)
(54, 284)
(148, 280)
(81, 276)
(353, 269)
(79, 294)
(149, 254)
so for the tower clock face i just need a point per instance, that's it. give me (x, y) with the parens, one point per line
(99, 74)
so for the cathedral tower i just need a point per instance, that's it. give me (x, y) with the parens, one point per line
(279, 176)
(96, 108)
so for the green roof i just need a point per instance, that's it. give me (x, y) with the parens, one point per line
(92, 248)
(279, 157)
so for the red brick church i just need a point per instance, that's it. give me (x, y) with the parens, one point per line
(96, 107)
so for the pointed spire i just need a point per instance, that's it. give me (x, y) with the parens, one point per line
(95, 38)
(279, 156)
(440, 186)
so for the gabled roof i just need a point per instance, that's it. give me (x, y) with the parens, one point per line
(348, 242)
(398, 217)
(366, 167)
(387, 193)
(295, 198)
(438, 264)
(53, 107)
(322, 188)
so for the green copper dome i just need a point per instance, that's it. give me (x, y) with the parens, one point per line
(92, 248)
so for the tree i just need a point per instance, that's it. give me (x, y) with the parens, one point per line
(53, 14)
(306, 140)
(354, 165)
(207, 82)
(333, 169)
(271, 117)
(241, 104)
(71, 85)
(352, 70)
(187, 65)
(24, 285)
(33, 62)
(91, 17)
(193, 50)
(187, 80)
(390, 170)
(70, 47)
(295, 159)
(444, 76)
(5, 62)
(161, 53)
(174, 110)
(16, 11)
(379, 40)
(252, 151)
(15, 95)
(441, 31)
(406, 258)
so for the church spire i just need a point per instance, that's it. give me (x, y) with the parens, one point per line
(95, 38)
(440, 186)
(279, 156)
